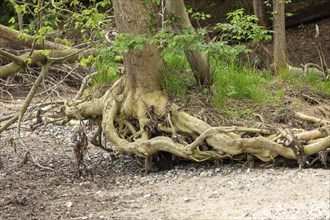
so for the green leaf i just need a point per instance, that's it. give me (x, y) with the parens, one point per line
(12, 20)
(45, 52)
(83, 62)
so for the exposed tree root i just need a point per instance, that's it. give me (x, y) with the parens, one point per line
(144, 122)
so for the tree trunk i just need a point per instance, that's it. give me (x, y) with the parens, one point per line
(260, 11)
(142, 67)
(279, 45)
(197, 60)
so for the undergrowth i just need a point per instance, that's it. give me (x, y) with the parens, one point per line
(233, 81)
(313, 81)
(177, 77)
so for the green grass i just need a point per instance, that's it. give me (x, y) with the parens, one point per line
(232, 81)
(177, 78)
(314, 82)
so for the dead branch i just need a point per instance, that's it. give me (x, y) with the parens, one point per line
(13, 37)
(57, 56)
(31, 94)
(12, 57)
(84, 85)
(18, 116)
(28, 155)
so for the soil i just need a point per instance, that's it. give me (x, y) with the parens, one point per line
(119, 188)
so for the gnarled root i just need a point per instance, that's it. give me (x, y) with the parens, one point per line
(143, 123)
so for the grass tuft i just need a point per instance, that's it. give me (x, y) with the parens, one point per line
(232, 81)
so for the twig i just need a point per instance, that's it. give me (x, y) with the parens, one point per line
(306, 67)
(29, 155)
(60, 9)
(18, 116)
(84, 85)
(72, 54)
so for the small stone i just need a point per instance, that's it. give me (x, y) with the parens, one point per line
(147, 195)
(186, 199)
(68, 204)
(203, 174)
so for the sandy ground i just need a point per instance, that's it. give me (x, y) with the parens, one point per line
(118, 188)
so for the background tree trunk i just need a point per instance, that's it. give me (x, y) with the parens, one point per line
(197, 60)
(280, 55)
(260, 11)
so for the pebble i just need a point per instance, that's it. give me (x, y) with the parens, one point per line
(68, 204)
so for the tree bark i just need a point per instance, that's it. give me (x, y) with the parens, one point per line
(279, 45)
(19, 17)
(197, 60)
(142, 67)
(260, 11)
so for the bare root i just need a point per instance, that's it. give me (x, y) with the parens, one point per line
(144, 123)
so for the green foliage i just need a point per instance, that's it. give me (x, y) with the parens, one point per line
(106, 66)
(243, 27)
(107, 61)
(198, 15)
(44, 18)
(232, 81)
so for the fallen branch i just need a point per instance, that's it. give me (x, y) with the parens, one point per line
(312, 119)
(56, 56)
(13, 37)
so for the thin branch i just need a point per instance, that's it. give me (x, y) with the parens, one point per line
(60, 9)
(28, 99)
(84, 85)
(56, 56)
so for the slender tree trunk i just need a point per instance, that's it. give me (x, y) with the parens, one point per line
(142, 67)
(197, 60)
(280, 56)
(19, 17)
(260, 11)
